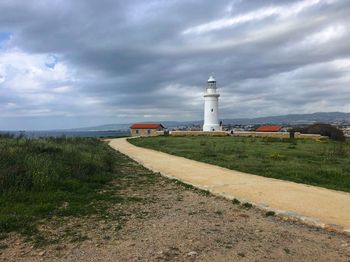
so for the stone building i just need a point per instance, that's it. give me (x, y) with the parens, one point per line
(146, 129)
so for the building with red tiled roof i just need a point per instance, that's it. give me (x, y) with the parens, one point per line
(147, 129)
(269, 128)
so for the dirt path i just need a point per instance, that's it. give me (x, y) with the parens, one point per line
(314, 205)
(164, 220)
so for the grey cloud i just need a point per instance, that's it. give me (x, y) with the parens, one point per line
(121, 53)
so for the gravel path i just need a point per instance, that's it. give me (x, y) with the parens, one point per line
(314, 205)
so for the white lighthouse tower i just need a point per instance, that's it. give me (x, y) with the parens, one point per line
(211, 106)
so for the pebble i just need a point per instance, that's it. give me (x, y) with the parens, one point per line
(42, 253)
(192, 254)
(241, 254)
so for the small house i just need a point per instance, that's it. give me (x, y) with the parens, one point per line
(146, 129)
(269, 128)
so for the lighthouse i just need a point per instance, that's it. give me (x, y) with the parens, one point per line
(211, 106)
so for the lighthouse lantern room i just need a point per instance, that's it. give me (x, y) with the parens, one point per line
(211, 106)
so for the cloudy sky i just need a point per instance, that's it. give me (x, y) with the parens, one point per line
(80, 63)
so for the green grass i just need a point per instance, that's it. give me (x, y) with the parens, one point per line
(42, 178)
(320, 163)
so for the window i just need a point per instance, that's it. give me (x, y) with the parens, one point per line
(137, 131)
(212, 110)
(149, 131)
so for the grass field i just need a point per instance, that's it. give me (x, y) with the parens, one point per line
(43, 178)
(320, 163)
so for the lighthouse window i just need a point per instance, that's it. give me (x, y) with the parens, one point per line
(212, 110)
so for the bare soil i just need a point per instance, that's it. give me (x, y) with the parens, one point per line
(169, 221)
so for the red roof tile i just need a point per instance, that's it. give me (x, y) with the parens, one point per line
(269, 128)
(146, 126)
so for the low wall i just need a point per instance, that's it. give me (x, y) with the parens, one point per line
(198, 133)
(277, 135)
(242, 134)
(312, 136)
(159, 133)
(262, 134)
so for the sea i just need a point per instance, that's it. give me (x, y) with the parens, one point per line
(63, 133)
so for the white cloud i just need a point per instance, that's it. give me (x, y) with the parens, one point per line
(30, 87)
(23, 72)
(330, 33)
(62, 89)
(281, 12)
(343, 64)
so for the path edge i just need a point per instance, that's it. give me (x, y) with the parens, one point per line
(284, 215)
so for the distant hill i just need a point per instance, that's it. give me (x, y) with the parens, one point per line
(123, 127)
(325, 117)
(108, 127)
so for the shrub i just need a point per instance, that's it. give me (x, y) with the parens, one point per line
(235, 201)
(270, 213)
(38, 175)
(331, 131)
(44, 164)
(247, 205)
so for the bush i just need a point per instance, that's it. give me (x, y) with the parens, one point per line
(331, 131)
(44, 164)
(270, 213)
(38, 175)
(235, 201)
(247, 205)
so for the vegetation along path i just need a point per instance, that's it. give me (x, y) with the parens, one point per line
(314, 205)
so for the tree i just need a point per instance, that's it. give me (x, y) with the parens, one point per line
(331, 131)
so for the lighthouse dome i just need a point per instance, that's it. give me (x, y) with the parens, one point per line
(211, 79)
